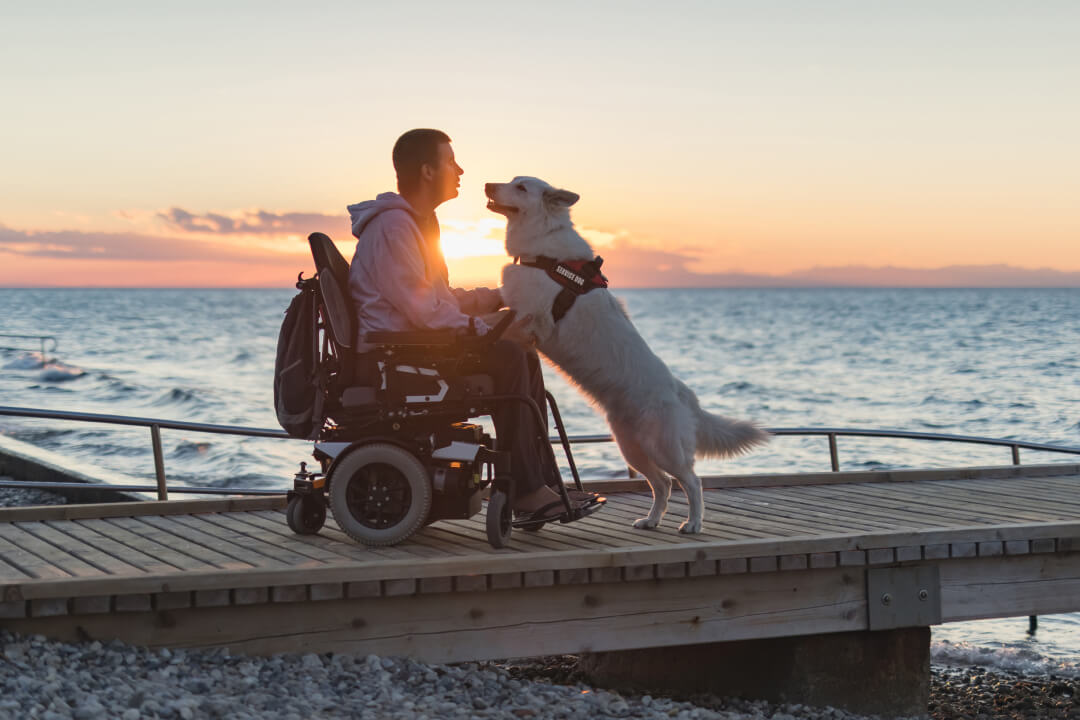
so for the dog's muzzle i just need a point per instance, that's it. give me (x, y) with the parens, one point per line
(490, 189)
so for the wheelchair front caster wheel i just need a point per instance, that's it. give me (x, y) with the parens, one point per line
(306, 514)
(499, 519)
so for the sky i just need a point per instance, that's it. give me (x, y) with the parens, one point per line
(198, 143)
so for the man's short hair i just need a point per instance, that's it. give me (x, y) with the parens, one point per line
(413, 150)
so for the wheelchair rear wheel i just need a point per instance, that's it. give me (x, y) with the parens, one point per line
(306, 514)
(499, 519)
(380, 494)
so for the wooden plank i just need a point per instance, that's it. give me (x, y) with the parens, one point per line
(139, 526)
(968, 506)
(540, 620)
(983, 499)
(382, 569)
(864, 477)
(80, 533)
(27, 563)
(9, 571)
(89, 554)
(730, 525)
(788, 504)
(271, 527)
(1010, 586)
(1020, 494)
(144, 507)
(49, 553)
(916, 512)
(234, 535)
(877, 502)
(1015, 494)
(147, 546)
(625, 511)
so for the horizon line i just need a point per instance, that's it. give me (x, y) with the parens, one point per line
(808, 286)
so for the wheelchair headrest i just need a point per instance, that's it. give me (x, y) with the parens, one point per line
(334, 285)
(327, 256)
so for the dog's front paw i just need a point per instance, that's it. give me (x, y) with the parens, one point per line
(646, 523)
(690, 527)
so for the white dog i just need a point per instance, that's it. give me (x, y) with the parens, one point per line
(655, 418)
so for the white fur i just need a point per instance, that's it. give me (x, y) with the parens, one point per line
(655, 418)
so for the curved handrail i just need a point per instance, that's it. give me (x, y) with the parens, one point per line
(156, 424)
(39, 338)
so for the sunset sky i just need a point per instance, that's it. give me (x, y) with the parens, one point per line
(198, 143)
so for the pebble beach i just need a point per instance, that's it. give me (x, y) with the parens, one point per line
(54, 680)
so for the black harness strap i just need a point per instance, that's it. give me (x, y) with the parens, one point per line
(577, 277)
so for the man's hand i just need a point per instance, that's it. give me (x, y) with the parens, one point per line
(517, 332)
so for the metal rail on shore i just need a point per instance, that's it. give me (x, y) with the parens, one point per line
(42, 339)
(156, 425)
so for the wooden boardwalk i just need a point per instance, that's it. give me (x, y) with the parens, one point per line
(780, 556)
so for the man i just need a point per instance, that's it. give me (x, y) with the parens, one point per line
(398, 281)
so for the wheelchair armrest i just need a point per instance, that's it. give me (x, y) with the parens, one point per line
(440, 338)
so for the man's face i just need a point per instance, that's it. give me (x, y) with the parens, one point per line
(447, 174)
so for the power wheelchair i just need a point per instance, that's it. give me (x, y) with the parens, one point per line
(395, 451)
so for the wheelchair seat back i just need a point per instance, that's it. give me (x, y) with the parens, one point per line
(406, 367)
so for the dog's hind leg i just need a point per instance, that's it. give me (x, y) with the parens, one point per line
(637, 458)
(691, 485)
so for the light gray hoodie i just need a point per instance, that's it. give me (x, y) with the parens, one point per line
(397, 279)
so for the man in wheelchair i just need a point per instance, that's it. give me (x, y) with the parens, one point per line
(398, 281)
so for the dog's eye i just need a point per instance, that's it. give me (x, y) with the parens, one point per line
(520, 187)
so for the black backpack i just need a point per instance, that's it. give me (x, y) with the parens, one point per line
(298, 382)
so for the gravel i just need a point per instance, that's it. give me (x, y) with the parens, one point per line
(51, 680)
(17, 497)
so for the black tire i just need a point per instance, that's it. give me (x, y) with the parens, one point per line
(380, 494)
(499, 518)
(306, 514)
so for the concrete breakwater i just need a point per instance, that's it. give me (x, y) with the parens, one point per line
(28, 463)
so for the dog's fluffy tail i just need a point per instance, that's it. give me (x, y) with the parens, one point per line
(719, 436)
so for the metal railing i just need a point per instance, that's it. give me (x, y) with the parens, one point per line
(42, 339)
(156, 425)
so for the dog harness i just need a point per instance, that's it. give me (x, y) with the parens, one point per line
(577, 277)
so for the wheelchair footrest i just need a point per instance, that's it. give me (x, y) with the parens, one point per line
(582, 512)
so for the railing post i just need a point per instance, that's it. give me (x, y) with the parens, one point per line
(833, 454)
(1016, 454)
(159, 463)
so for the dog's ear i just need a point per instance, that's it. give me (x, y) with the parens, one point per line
(560, 198)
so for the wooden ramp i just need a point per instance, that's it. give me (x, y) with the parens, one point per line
(780, 556)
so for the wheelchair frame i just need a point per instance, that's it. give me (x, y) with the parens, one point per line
(391, 462)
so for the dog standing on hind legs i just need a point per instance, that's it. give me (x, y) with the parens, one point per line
(585, 332)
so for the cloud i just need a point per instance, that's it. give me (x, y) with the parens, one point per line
(256, 222)
(80, 245)
(629, 266)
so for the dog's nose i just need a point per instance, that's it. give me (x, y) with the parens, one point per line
(489, 189)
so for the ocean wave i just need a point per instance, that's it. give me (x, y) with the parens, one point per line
(116, 385)
(188, 449)
(26, 361)
(57, 372)
(179, 396)
(1022, 660)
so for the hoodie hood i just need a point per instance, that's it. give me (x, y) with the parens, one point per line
(364, 212)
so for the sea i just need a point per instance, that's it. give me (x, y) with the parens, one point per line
(996, 363)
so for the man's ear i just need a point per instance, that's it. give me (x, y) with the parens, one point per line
(427, 172)
(560, 198)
